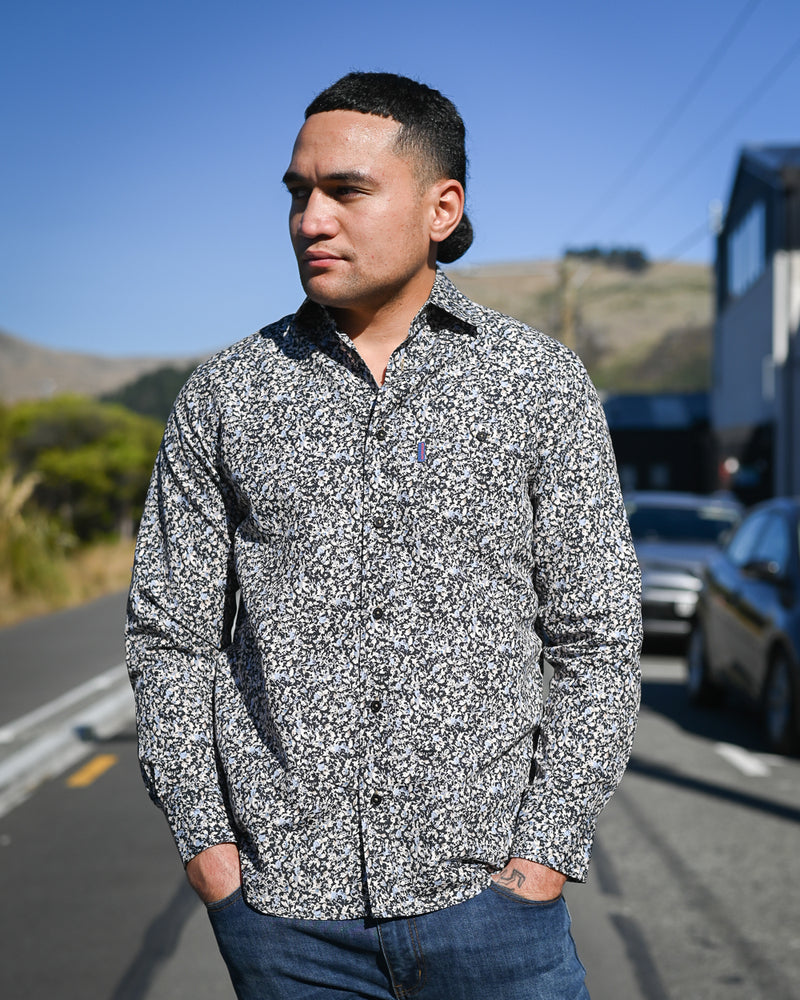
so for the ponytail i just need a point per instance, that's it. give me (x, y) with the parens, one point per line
(457, 243)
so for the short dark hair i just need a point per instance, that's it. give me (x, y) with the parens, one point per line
(431, 129)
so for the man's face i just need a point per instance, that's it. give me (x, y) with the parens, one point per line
(359, 218)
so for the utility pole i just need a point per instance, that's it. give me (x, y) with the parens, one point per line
(571, 276)
(566, 271)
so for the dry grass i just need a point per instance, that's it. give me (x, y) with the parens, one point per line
(93, 571)
(631, 329)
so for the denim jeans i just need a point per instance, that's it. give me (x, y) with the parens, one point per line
(494, 946)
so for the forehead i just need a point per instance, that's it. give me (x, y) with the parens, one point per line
(335, 141)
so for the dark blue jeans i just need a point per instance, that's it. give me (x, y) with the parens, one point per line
(495, 946)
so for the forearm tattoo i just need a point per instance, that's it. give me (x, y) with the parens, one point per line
(514, 880)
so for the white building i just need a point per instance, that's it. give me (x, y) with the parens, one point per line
(755, 399)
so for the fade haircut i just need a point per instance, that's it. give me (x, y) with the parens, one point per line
(431, 131)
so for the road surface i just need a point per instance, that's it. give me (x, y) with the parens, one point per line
(692, 893)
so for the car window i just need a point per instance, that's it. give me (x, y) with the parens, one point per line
(705, 523)
(774, 544)
(743, 544)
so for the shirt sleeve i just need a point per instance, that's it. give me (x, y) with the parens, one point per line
(588, 584)
(180, 612)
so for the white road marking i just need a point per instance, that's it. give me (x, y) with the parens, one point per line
(62, 745)
(774, 759)
(13, 730)
(744, 761)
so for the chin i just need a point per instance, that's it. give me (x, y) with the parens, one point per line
(324, 294)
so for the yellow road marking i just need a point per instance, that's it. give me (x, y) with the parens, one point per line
(92, 770)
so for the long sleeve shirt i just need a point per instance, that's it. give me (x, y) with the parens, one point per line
(341, 598)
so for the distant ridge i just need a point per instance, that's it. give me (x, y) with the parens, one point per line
(636, 331)
(30, 371)
(646, 330)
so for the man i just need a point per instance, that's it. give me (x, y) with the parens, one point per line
(414, 497)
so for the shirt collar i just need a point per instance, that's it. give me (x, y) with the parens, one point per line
(444, 298)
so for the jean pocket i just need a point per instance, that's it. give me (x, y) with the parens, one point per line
(226, 901)
(501, 890)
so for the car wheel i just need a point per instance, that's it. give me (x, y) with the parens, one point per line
(780, 715)
(699, 686)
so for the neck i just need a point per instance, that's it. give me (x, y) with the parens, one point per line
(376, 332)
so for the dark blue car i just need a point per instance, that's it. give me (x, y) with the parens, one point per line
(747, 628)
(675, 534)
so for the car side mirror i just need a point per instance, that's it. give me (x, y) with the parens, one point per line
(763, 569)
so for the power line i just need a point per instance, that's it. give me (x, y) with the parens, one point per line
(689, 242)
(650, 145)
(710, 228)
(719, 133)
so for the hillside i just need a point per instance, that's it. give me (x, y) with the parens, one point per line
(635, 330)
(29, 371)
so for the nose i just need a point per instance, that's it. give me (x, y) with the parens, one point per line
(316, 218)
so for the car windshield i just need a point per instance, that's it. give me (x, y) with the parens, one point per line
(680, 524)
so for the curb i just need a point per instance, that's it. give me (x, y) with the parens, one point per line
(63, 744)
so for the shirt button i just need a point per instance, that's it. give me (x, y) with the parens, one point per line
(380, 434)
(375, 705)
(379, 522)
(376, 799)
(377, 614)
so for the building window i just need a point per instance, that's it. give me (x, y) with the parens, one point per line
(628, 478)
(746, 258)
(659, 476)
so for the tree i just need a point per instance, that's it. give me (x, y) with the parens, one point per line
(92, 460)
(153, 393)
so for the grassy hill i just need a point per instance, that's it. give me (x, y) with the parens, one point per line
(637, 331)
(29, 371)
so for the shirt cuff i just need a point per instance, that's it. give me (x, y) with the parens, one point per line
(565, 845)
(198, 820)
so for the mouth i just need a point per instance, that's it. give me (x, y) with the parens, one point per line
(319, 258)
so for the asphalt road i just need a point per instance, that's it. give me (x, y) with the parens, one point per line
(43, 658)
(692, 893)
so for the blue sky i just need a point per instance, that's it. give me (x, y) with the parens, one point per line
(140, 197)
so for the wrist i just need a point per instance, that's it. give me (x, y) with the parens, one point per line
(215, 872)
(530, 879)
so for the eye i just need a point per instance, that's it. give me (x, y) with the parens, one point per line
(298, 193)
(346, 191)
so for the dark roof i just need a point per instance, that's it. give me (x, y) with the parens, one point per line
(778, 165)
(656, 411)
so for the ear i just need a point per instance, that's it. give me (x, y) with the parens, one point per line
(447, 207)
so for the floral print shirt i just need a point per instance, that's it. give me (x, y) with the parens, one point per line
(341, 600)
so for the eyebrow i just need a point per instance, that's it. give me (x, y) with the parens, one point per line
(346, 176)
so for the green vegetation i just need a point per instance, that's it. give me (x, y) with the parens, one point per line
(152, 394)
(31, 545)
(628, 258)
(73, 473)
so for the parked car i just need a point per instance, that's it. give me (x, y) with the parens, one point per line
(747, 631)
(675, 534)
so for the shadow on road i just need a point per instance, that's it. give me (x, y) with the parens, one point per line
(730, 723)
(661, 772)
(733, 722)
